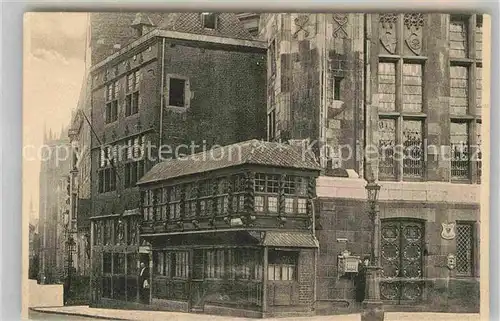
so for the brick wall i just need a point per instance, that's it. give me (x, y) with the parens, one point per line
(227, 88)
(227, 104)
(306, 277)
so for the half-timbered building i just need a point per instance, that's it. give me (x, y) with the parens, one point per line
(231, 230)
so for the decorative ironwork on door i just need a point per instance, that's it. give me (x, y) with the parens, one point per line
(402, 261)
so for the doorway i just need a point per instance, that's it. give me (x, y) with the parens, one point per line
(144, 279)
(402, 245)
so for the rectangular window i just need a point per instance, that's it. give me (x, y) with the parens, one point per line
(209, 20)
(116, 89)
(413, 162)
(109, 92)
(107, 180)
(337, 81)
(289, 205)
(131, 264)
(159, 263)
(412, 87)
(387, 86)
(272, 204)
(271, 120)
(479, 154)
(272, 57)
(130, 82)
(479, 36)
(459, 140)
(177, 92)
(181, 264)
(135, 103)
(106, 263)
(137, 77)
(459, 90)
(119, 263)
(111, 112)
(387, 145)
(289, 185)
(282, 265)
(465, 247)
(214, 264)
(259, 204)
(479, 89)
(302, 186)
(302, 205)
(458, 37)
(272, 184)
(128, 105)
(260, 183)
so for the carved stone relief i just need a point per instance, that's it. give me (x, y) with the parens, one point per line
(388, 33)
(304, 24)
(340, 23)
(414, 23)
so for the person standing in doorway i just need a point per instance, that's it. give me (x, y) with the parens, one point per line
(144, 283)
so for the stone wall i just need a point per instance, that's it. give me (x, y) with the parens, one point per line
(315, 82)
(345, 225)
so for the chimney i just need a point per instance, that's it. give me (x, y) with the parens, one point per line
(142, 24)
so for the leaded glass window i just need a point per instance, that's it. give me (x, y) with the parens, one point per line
(259, 203)
(464, 239)
(459, 150)
(459, 90)
(412, 87)
(289, 205)
(272, 204)
(458, 37)
(302, 205)
(387, 145)
(413, 148)
(387, 86)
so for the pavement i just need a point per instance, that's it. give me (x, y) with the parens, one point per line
(134, 315)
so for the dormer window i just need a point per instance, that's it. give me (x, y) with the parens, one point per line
(209, 20)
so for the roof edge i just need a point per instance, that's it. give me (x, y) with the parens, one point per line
(176, 35)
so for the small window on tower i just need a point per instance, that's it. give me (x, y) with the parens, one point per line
(177, 92)
(336, 88)
(209, 20)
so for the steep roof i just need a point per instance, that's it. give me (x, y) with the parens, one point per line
(228, 25)
(111, 28)
(249, 152)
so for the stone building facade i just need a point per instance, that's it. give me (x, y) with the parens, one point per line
(364, 89)
(53, 207)
(174, 80)
(390, 97)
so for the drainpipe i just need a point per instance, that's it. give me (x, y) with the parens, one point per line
(324, 108)
(162, 82)
(367, 92)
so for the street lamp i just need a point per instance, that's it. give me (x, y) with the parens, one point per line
(373, 305)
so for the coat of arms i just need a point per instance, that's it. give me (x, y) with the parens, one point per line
(448, 231)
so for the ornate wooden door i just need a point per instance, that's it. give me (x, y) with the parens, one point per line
(402, 245)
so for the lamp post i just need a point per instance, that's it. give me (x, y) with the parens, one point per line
(372, 304)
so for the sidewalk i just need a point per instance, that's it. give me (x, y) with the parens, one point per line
(134, 315)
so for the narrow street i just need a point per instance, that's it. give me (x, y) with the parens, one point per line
(157, 315)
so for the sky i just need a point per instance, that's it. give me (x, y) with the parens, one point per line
(54, 53)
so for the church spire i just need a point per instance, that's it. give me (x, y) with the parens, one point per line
(44, 132)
